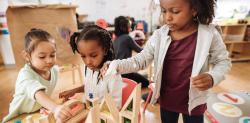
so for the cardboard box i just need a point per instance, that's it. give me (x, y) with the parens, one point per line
(47, 17)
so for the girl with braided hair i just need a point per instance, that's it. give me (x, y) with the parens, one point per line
(95, 46)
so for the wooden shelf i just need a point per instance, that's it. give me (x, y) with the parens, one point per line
(240, 57)
(233, 35)
(237, 42)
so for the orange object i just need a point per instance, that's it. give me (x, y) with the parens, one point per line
(140, 26)
(231, 98)
(211, 117)
(151, 87)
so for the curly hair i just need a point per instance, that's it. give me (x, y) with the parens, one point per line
(94, 32)
(205, 10)
(121, 25)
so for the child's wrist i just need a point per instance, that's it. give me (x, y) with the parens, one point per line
(55, 108)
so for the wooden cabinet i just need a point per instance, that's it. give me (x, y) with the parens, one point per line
(233, 36)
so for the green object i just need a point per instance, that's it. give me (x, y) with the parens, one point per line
(102, 121)
(17, 121)
(130, 106)
(126, 120)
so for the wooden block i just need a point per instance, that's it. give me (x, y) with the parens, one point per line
(47, 118)
(108, 110)
(131, 109)
(29, 119)
(79, 111)
(91, 102)
(79, 117)
(94, 115)
(44, 119)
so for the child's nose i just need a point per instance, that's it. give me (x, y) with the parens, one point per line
(88, 62)
(49, 60)
(168, 17)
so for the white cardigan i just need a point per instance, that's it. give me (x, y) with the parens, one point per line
(211, 56)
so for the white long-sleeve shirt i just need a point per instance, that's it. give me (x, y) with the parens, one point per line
(96, 88)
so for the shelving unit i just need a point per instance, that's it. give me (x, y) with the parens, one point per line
(233, 36)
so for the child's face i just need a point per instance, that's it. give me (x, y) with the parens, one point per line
(92, 53)
(43, 57)
(177, 14)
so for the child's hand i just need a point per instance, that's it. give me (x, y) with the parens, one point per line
(66, 94)
(62, 113)
(109, 68)
(105, 68)
(202, 82)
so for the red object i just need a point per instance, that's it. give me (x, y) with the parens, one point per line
(140, 26)
(231, 98)
(151, 87)
(75, 108)
(211, 117)
(102, 23)
(126, 91)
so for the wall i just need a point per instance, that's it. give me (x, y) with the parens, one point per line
(109, 9)
(225, 8)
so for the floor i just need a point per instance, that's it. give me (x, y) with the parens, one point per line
(238, 79)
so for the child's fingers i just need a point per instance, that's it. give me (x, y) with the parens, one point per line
(104, 69)
(62, 95)
(201, 76)
(201, 85)
(68, 110)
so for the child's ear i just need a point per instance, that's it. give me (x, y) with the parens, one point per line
(194, 12)
(26, 56)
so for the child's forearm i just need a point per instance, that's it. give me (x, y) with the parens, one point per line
(79, 89)
(45, 101)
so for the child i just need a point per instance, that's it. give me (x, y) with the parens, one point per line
(189, 58)
(124, 45)
(94, 45)
(37, 79)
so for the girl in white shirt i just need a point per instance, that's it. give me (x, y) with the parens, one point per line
(95, 46)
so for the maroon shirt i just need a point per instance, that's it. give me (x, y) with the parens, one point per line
(177, 69)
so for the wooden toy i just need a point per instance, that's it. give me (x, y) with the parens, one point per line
(231, 98)
(94, 114)
(47, 119)
(108, 110)
(29, 119)
(131, 109)
(78, 109)
(90, 103)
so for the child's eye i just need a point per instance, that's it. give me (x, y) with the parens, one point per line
(41, 57)
(83, 56)
(52, 56)
(175, 11)
(163, 11)
(93, 56)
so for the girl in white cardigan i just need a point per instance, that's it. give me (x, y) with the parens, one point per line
(189, 57)
(95, 46)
